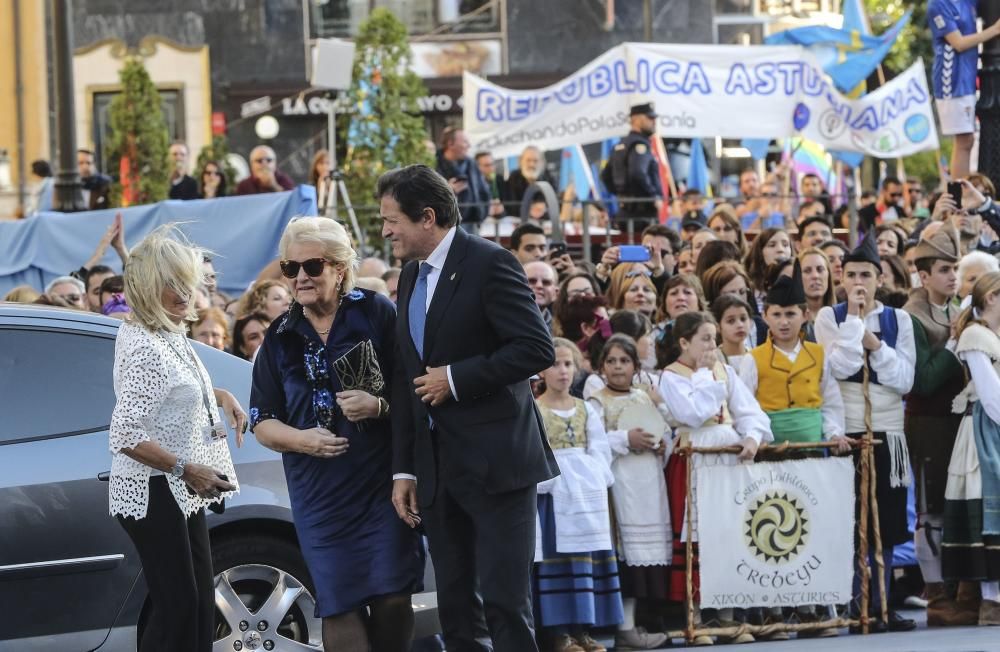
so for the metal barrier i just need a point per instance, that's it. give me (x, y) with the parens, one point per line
(562, 232)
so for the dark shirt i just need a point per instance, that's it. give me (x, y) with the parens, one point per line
(251, 186)
(473, 202)
(514, 188)
(186, 188)
(642, 176)
(99, 186)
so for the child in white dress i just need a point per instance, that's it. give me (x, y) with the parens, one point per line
(710, 406)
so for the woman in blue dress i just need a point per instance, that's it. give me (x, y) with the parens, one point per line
(317, 398)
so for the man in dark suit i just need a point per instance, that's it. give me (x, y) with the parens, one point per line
(96, 187)
(468, 443)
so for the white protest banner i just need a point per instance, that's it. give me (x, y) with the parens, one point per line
(776, 533)
(703, 91)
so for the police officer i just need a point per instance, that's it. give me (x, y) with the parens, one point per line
(632, 170)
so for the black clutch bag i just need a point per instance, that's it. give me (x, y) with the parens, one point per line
(359, 369)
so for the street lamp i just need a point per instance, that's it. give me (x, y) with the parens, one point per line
(67, 197)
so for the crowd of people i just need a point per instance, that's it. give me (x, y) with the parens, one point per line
(732, 338)
(746, 325)
(740, 342)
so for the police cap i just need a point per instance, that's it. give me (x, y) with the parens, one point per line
(643, 109)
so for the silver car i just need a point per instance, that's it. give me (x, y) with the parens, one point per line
(70, 579)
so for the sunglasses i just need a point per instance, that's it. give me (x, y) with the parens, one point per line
(638, 272)
(71, 298)
(213, 173)
(313, 267)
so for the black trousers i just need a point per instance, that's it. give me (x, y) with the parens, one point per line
(177, 562)
(483, 547)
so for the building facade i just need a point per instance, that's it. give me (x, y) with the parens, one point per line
(222, 64)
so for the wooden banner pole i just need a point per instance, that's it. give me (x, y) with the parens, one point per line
(879, 559)
(863, 567)
(689, 554)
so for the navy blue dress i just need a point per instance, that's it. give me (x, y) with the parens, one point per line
(354, 544)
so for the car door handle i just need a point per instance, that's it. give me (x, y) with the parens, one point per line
(104, 476)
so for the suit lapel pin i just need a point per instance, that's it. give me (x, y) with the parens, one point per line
(453, 276)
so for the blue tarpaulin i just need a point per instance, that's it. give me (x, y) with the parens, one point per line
(242, 232)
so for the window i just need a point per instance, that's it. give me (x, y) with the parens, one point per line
(54, 383)
(341, 18)
(171, 103)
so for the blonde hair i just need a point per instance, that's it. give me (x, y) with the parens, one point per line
(331, 236)
(164, 259)
(219, 317)
(22, 294)
(563, 343)
(987, 285)
(256, 299)
(622, 279)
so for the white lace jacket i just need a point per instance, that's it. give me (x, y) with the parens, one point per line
(160, 400)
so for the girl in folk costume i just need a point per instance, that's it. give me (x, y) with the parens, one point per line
(735, 318)
(711, 407)
(576, 575)
(971, 544)
(639, 493)
(852, 334)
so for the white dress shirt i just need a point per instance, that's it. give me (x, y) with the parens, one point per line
(436, 260)
(833, 404)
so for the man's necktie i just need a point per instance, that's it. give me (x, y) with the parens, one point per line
(418, 308)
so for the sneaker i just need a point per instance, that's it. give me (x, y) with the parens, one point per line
(589, 644)
(639, 639)
(702, 640)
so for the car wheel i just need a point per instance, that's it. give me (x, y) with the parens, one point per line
(263, 597)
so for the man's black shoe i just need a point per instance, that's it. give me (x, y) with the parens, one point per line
(899, 624)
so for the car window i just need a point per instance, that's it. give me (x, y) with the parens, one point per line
(54, 383)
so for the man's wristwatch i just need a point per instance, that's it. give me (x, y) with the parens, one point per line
(177, 470)
(383, 408)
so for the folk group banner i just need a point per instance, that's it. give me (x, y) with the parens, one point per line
(776, 534)
(703, 91)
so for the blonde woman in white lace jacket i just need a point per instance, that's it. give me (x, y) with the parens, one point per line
(168, 443)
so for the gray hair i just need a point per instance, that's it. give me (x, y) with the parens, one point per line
(66, 279)
(978, 258)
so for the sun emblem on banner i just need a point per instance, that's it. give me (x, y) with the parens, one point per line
(776, 527)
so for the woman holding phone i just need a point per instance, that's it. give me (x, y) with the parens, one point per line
(170, 458)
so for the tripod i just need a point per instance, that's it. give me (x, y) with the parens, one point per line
(336, 186)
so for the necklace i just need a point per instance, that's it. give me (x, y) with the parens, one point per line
(318, 331)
